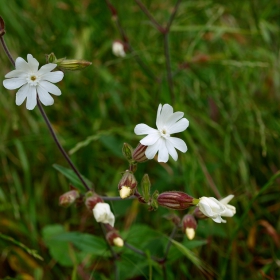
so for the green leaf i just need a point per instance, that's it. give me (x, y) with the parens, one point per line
(71, 175)
(193, 258)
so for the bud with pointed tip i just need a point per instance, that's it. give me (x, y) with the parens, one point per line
(139, 153)
(68, 198)
(114, 238)
(127, 151)
(175, 200)
(127, 184)
(51, 58)
(189, 226)
(146, 186)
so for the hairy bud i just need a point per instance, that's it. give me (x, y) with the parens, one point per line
(127, 151)
(139, 153)
(189, 226)
(175, 200)
(127, 184)
(68, 198)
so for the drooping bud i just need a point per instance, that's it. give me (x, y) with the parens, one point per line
(68, 198)
(91, 200)
(127, 184)
(114, 238)
(175, 200)
(127, 151)
(189, 226)
(72, 64)
(139, 153)
(118, 48)
(146, 186)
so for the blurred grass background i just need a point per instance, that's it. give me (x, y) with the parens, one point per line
(225, 65)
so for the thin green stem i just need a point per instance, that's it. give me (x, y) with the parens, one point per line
(59, 145)
(7, 51)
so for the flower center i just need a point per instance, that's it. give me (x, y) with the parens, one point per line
(164, 132)
(32, 79)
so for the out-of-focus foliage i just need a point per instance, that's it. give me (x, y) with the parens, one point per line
(225, 64)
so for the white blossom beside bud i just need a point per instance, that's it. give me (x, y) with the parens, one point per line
(102, 214)
(118, 49)
(230, 210)
(118, 242)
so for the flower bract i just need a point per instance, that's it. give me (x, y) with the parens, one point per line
(33, 82)
(159, 140)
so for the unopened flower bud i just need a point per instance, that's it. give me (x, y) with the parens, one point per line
(114, 238)
(2, 27)
(127, 184)
(72, 64)
(146, 186)
(91, 200)
(139, 153)
(127, 151)
(118, 48)
(51, 58)
(68, 198)
(175, 200)
(189, 226)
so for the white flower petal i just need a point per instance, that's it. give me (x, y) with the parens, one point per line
(14, 83)
(227, 199)
(46, 68)
(152, 150)
(32, 63)
(16, 74)
(50, 87)
(173, 119)
(179, 126)
(44, 96)
(31, 98)
(53, 77)
(219, 220)
(150, 139)
(142, 129)
(158, 115)
(102, 213)
(22, 94)
(166, 113)
(21, 65)
(178, 143)
(171, 149)
(162, 152)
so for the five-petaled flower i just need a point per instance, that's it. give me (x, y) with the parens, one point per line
(32, 81)
(215, 209)
(159, 140)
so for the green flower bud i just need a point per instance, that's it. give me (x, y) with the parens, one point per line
(146, 186)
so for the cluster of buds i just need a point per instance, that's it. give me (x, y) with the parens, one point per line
(127, 185)
(67, 64)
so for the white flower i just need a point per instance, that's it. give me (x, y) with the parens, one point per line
(159, 140)
(32, 81)
(215, 209)
(230, 210)
(102, 213)
(118, 49)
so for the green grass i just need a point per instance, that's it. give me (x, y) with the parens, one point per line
(225, 64)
